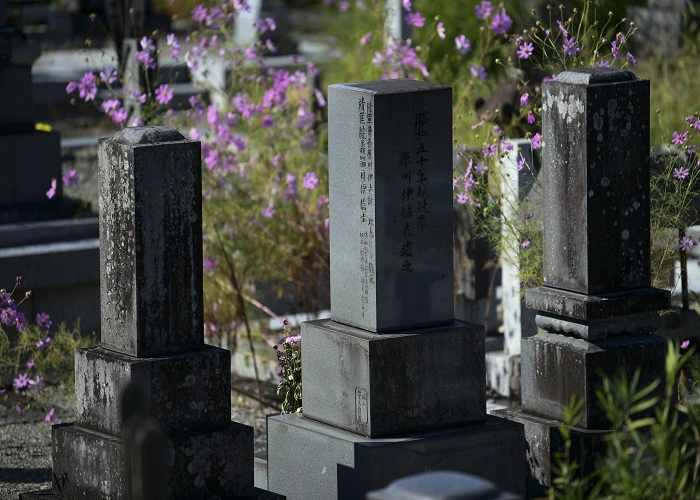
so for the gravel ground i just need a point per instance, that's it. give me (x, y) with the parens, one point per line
(25, 439)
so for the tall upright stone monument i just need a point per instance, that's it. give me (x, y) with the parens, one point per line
(152, 332)
(392, 384)
(597, 304)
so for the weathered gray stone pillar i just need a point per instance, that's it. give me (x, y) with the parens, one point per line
(597, 304)
(392, 362)
(150, 231)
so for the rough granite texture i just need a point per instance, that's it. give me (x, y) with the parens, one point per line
(557, 367)
(338, 464)
(150, 242)
(379, 385)
(596, 158)
(200, 465)
(390, 167)
(187, 392)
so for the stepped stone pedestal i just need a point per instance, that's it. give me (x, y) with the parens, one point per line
(597, 303)
(152, 335)
(392, 384)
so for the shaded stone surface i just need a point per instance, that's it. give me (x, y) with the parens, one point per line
(187, 392)
(378, 385)
(596, 157)
(16, 98)
(390, 163)
(151, 242)
(200, 465)
(339, 464)
(441, 485)
(556, 368)
(544, 443)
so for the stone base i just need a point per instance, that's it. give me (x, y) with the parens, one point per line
(260, 470)
(308, 459)
(544, 444)
(188, 392)
(593, 317)
(383, 384)
(556, 367)
(90, 464)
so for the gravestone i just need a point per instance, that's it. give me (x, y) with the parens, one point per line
(597, 304)
(151, 292)
(396, 28)
(392, 384)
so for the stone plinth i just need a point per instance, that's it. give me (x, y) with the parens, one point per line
(559, 367)
(545, 444)
(16, 98)
(187, 392)
(390, 167)
(339, 464)
(378, 385)
(150, 242)
(200, 465)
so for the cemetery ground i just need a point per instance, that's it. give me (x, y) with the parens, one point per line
(25, 454)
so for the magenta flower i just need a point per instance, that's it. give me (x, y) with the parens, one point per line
(562, 28)
(87, 87)
(525, 244)
(52, 190)
(462, 198)
(365, 39)
(199, 13)
(136, 122)
(441, 30)
(20, 322)
(501, 23)
(268, 212)
(291, 192)
(478, 72)
(406, 5)
(530, 118)
(686, 243)
(70, 178)
(21, 381)
(174, 45)
(111, 105)
(415, 19)
(209, 264)
(681, 173)
(631, 59)
(602, 64)
(164, 94)
(483, 10)
(463, 44)
(310, 181)
(267, 121)
(571, 47)
(30, 363)
(489, 150)
(524, 99)
(43, 320)
(679, 138)
(108, 75)
(48, 416)
(525, 50)
(537, 141)
(685, 344)
(119, 115)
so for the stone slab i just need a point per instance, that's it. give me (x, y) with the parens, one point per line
(150, 242)
(258, 494)
(390, 175)
(337, 464)
(545, 443)
(554, 368)
(260, 470)
(187, 392)
(579, 306)
(382, 384)
(441, 485)
(596, 176)
(200, 465)
(600, 328)
(43, 232)
(30, 160)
